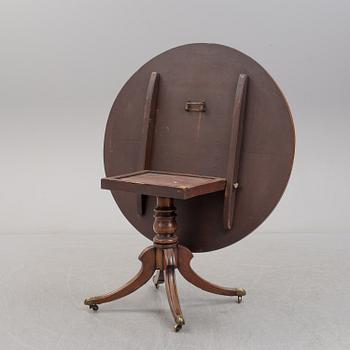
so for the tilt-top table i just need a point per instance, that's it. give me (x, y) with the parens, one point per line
(201, 133)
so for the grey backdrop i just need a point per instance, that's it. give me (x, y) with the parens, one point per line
(63, 62)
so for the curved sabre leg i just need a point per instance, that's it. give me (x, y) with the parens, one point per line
(147, 258)
(171, 289)
(184, 266)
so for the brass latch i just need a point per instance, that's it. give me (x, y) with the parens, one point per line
(198, 106)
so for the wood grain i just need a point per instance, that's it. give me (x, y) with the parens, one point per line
(162, 184)
(149, 119)
(234, 153)
(147, 258)
(198, 142)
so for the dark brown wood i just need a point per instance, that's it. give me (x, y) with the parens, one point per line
(147, 258)
(164, 224)
(198, 143)
(211, 146)
(170, 285)
(171, 291)
(164, 257)
(149, 117)
(235, 150)
(153, 183)
(184, 265)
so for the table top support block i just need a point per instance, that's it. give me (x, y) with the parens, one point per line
(235, 150)
(149, 117)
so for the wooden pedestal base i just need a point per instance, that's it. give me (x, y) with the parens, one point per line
(162, 258)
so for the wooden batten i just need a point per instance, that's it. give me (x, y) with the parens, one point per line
(232, 183)
(149, 116)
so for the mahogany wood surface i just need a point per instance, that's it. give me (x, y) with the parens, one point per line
(149, 116)
(184, 265)
(170, 283)
(147, 257)
(180, 186)
(192, 134)
(232, 183)
(212, 145)
(164, 257)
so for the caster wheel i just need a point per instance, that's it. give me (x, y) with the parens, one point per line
(177, 327)
(240, 292)
(93, 307)
(179, 323)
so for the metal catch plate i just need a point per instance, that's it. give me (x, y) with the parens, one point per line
(198, 106)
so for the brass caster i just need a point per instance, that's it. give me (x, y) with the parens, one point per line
(179, 323)
(93, 307)
(240, 292)
(177, 327)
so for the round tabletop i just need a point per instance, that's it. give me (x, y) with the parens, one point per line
(198, 143)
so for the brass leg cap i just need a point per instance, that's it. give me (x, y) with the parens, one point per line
(240, 292)
(91, 304)
(87, 301)
(179, 323)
